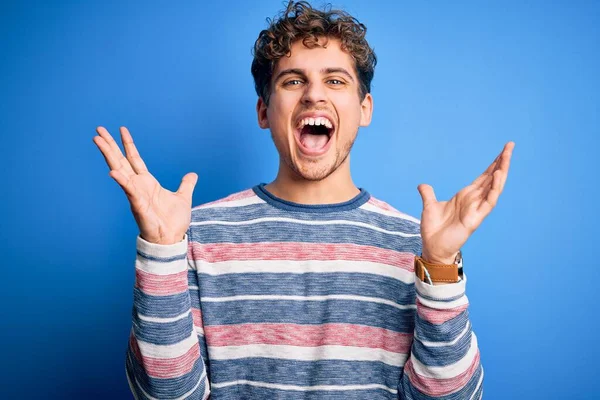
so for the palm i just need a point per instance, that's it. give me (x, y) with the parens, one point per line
(162, 216)
(446, 225)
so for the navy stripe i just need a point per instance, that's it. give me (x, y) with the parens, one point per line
(445, 332)
(276, 231)
(295, 372)
(161, 259)
(238, 392)
(307, 284)
(308, 313)
(440, 356)
(163, 333)
(164, 388)
(410, 393)
(161, 306)
(254, 211)
(286, 205)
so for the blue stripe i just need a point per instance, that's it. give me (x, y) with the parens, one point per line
(410, 393)
(161, 259)
(163, 333)
(255, 211)
(275, 201)
(295, 372)
(276, 231)
(248, 392)
(164, 388)
(161, 306)
(442, 355)
(309, 313)
(307, 284)
(445, 332)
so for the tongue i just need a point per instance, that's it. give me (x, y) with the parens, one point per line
(314, 142)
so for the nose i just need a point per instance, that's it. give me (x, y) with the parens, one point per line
(314, 93)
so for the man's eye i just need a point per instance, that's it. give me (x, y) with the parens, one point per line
(336, 81)
(293, 82)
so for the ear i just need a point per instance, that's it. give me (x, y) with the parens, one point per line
(366, 110)
(261, 113)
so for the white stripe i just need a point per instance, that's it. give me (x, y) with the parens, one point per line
(443, 305)
(304, 267)
(450, 343)
(304, 388)
(398, 214)
(168, 350)
(477, 387)
(303, 222)
(232, 203)
(161, 268)
(308, 298)
(163, 320)
(448, 371)
(442, 292)
(301, 353)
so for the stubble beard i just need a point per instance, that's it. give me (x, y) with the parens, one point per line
(314, 173)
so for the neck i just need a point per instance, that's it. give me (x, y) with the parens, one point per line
(336, 188)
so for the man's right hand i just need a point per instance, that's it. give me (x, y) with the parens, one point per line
(162, 216)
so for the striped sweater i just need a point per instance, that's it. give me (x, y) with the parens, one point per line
(268, 299)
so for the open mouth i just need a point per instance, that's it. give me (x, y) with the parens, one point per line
(314, 134)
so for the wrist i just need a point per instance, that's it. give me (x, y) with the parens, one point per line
(438, 260)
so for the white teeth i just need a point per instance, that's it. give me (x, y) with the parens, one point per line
(316, 121)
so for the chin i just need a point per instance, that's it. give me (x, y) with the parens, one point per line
(315, 169)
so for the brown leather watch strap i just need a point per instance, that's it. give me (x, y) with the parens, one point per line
(437, 272)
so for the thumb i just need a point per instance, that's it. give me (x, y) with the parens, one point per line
(427, 194)
(188, 183)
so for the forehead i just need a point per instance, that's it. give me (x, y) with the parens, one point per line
(317, 58)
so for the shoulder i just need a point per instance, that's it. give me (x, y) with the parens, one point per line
(237, 199)
(382, 208)
(232, 206)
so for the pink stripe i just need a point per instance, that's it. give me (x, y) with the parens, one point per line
(232, 197)
(382, 204)
(308, 336)
(385, 206)
(436, 316)
(293, 251)
(197, 317)
(440, 387)
(161, 285)
(166, 368)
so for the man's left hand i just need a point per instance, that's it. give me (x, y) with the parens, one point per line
(446, 225)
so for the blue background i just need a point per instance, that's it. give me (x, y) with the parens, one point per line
(453, 84)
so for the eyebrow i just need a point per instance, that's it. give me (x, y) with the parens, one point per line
(301, 72)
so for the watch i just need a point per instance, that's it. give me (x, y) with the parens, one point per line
(447, 273)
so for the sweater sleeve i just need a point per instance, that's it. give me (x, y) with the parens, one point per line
(164, 354)
(444, 360)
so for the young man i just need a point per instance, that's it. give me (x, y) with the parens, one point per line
(308, 287)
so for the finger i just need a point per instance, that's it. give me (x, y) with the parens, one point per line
(123, 181)
(486, 174)
(109, 139)
(427, 194)
(113, 155)
(137, 164)
(188, 183)
(109, 156)
(491, 198)
(505, 165)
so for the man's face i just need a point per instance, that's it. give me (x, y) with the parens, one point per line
(315, 110)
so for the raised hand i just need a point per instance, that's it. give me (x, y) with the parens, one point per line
(162, 216)
(446, 225)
